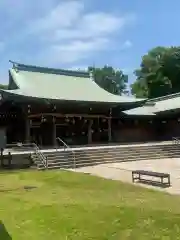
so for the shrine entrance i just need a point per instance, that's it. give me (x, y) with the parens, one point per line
(73, 131)
(36, 137)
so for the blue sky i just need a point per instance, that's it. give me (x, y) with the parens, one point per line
(74, 34)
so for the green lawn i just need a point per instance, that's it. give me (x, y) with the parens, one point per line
(67, 205)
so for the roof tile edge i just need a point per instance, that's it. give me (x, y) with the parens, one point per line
(33, 68)
(166, 97)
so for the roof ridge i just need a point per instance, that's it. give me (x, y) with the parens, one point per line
(169, 96)
(34, 68)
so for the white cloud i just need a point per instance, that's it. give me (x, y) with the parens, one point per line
(83, 46)
(55, 33)
(92, 25)
(127, 44)
(75, 50)
(23, 10)
(72, 33)
(62, 16)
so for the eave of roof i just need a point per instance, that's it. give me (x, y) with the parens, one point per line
(167, 105)
(141, 111)
(157, 106)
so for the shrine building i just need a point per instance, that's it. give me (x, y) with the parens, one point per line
(42, 104)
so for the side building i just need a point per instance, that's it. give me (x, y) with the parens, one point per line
(158, 120)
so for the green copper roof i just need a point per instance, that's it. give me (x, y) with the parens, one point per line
(166, 103)
(157, 105)
(141, 111)
(57, 84)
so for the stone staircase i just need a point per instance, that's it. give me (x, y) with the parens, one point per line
(89, 156)
(128, 153)
(55, 160)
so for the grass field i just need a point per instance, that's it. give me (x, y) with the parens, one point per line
(67, 205)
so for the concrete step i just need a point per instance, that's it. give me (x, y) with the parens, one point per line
(114, 155)
(117, 147)
(126, 147)
(125, 152)
(103, 156)
(58, 156)
(128, 157)
(129, 150)
(95, 161)
(160, 155)
(85, 164)
(64, 154)
(120, 159)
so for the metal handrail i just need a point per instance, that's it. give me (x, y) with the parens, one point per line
(37, 151)
(68, 147)
(60, 140)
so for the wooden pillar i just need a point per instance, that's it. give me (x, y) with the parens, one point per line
(27, 130)
(54, 132)
(90, 131)
(109, 130)
(27, 111)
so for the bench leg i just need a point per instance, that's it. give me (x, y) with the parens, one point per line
(166, 183)
(136, 176)
(162, 181)
(132, 177)
(169, 183)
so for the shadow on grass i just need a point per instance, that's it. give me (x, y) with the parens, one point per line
(26, 188)
(4, 235)
(5, 171)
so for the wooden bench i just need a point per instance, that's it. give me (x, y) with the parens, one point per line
(137, 175)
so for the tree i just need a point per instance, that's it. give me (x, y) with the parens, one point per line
(3, 86)
(113, 81)
(140, 91)
(171, 68)
(159, 73)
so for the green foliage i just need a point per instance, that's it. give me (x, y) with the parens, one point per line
(113, 81)
(159, 73)
(139, 90)
(2, 86)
